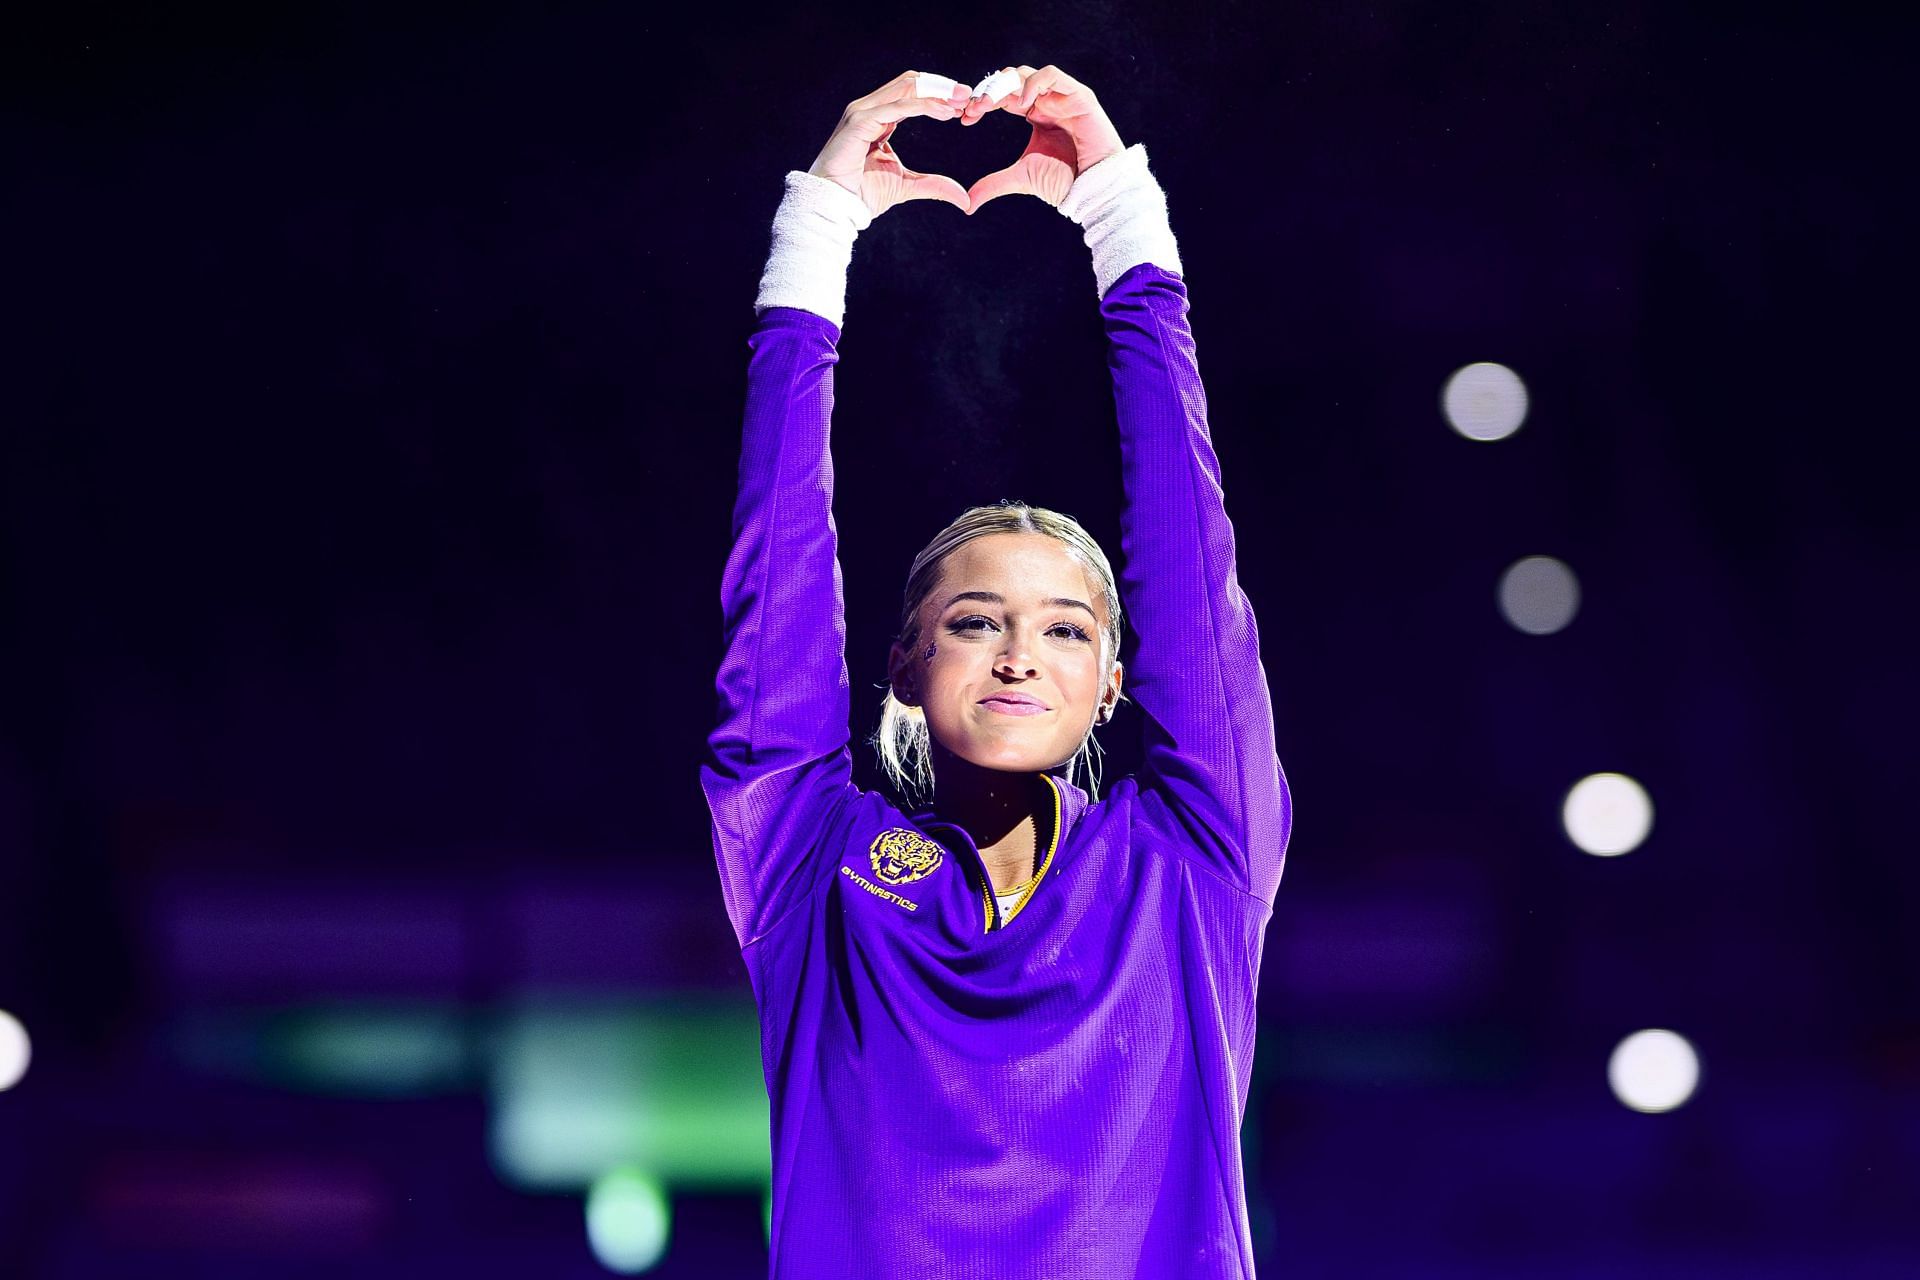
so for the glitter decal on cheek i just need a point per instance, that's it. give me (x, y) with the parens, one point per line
(928, 655)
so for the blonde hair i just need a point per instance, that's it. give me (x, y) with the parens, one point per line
(902, 738)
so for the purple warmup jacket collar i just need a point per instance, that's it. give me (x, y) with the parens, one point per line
(955, 1095)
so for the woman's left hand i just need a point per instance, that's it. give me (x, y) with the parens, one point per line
(1071, 134)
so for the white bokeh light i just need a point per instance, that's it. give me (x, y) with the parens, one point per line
(1539, 595)
(16, 1050)
(628, 1221)
(1653, 1071)
(1485, 401)
(1607, 814)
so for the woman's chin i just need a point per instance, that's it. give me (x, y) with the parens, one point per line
(1012, 758)
(1016, 748)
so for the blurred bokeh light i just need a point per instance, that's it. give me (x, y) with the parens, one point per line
(16, 1050)
(1485, 401)
(1653, 1071)
(628, 1221)
(1607, 814)
(674, 1087)
(1539, 595)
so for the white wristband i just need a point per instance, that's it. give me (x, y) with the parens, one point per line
(1123, 211)
(813, 233)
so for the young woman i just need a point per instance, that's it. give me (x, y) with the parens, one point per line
(1009, 1034)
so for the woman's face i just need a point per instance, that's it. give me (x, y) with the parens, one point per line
(1006, 665)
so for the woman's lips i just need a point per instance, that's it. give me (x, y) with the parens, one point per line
(1013, 704)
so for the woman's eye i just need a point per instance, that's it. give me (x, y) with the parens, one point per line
(977, 625)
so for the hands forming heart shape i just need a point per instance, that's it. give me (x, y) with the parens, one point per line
(1071, 134)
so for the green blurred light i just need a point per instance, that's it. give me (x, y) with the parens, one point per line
(378, 1051)
(672, 1087)
(628, 1221)
(375, 1049)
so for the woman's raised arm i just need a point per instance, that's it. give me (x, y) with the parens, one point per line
(778, 766)
(1210, 749)
(1210, 755)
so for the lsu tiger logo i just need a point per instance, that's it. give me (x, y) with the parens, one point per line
(901, 856)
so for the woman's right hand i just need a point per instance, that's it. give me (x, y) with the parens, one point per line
(1071, 134)
(860, 157)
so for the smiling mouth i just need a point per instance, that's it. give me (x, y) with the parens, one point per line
(1014, 706)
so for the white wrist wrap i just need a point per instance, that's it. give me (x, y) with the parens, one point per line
(1123, 211)
(813, 233)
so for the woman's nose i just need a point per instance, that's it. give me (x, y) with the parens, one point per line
(1016, 661)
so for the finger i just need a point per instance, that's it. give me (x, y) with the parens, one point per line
(909, 86)
(902, 108)
(935, 186)
(928, 84)
(1006, 182)
(901, 86)
(1035, 83)
(979, 104)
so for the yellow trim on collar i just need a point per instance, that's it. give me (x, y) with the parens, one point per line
(1053, 847)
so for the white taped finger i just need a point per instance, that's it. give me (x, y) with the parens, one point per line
(928, 85)
(998, 85)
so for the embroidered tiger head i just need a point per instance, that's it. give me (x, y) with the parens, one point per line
(901, 856)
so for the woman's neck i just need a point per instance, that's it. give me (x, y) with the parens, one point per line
(1000, 811)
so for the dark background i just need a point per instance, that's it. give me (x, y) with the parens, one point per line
(370, 410)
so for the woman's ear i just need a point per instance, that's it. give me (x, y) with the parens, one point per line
(900, 676)
(1110, 701)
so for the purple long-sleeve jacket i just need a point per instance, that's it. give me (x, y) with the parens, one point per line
(1058, 1094)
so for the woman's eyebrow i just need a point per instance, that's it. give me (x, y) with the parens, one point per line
(994, 597)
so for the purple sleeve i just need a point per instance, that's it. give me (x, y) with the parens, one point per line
(778, 767)
(1210, 755)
